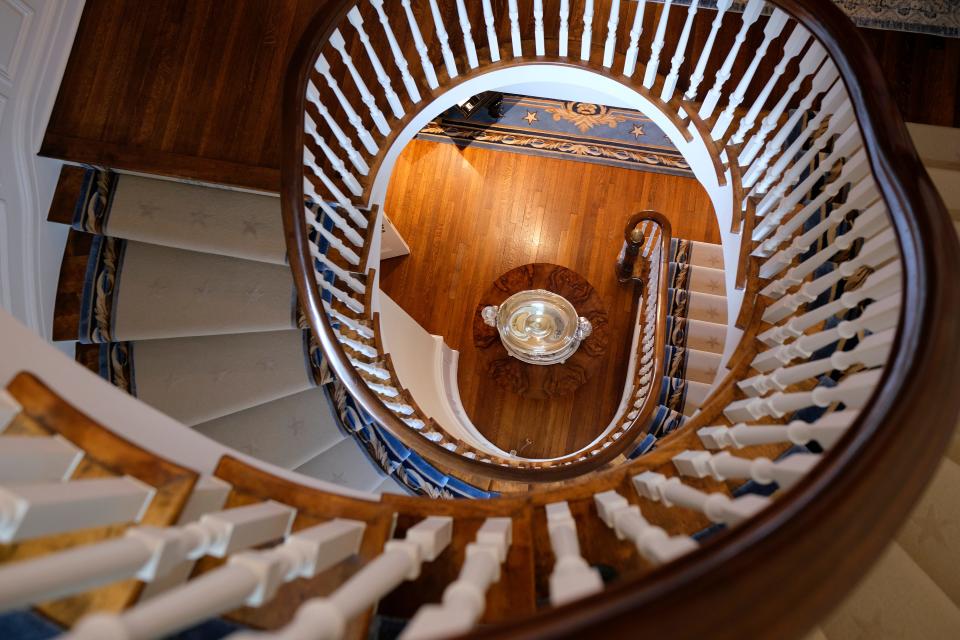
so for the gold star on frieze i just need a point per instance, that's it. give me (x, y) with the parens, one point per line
(531, 117)
(637, 131)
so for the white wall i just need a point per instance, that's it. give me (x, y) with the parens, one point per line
(35, 41)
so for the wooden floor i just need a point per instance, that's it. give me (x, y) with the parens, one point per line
(191, 88)
(471, 215)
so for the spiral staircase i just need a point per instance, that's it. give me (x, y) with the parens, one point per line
(800, 489)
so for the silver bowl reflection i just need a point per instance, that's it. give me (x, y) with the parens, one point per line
(538, 326)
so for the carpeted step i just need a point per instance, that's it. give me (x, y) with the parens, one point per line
(692, 365)
(345, 464)
(287, 432)
(897, 599)
(683, 396)
(138, 291)
(696, 278)
(184, 216)
(198, 379)
(696, 334)
(930, 534)
(665, 420)
(701, 254)
(695, 305)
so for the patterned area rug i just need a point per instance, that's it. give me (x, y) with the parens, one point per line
(570, 130)
(937, 17)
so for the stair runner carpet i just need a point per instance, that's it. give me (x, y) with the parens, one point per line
(187, 304)
(696, 332)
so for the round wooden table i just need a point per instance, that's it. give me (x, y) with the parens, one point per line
(533, 380)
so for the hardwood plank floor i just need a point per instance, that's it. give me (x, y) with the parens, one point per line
(470, 215)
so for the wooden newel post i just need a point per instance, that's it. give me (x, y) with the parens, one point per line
(632, 242)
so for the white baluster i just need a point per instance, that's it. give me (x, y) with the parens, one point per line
(845, 147)
(697, 77)
(650, 74)
(795, 43)
(808, 64)
(378, 372)
(351, 324)
(835, 105)
(846, 144)
(338, 221)
(874, 253)
(750, 15)
(880, 284)
(572, 577)
(310, 162)
(563, 36)
(853, 392)
(326, 618)
(338, 165)
(342, 139)
(340, 45)
(587, 35)
(146, 553)
(720, 466)
(538, 27)
(399, 408)
(464, 598)
(633, 49)
(27, 459)
(609, 46)
(652, 542)
(670, 84)
(877, 317)
(771, 30)
(354, 17)
(492, 41)
(863, 192)
(825, 431)
(397, 53)
(717, 507)
(822, 81)
(251, 579)
(340, 273)
(428, 71)
(34, 510)
(867, 225)
(323, 68)
(350, 303)
(467, 35)
(514, 14)
(359, 347)
(448, 60)
(871, 351)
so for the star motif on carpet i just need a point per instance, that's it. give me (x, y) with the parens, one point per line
(157, 287)
(268, 364)
(713, 342)
(296, 426)
(250, 227)
(531, 117)
(712, 373)
(337, 477)
(148, 210)
(255, 293)
(932, 527)
(713, 285)
(220, 375)
(713, 314)
(204, 289)
(636, 131)
(199, 218)
(870, 629)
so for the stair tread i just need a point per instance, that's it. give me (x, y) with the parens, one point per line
(929, 534)
(345, 464)
(198, 379)
(286, 432)
(896, 599)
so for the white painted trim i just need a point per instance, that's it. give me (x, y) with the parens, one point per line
(31, 82)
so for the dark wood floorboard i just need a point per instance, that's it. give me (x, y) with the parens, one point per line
(471, 215)
(191, 88)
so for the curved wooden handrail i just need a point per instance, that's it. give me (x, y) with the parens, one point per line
(292, 137)
(795, 560)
